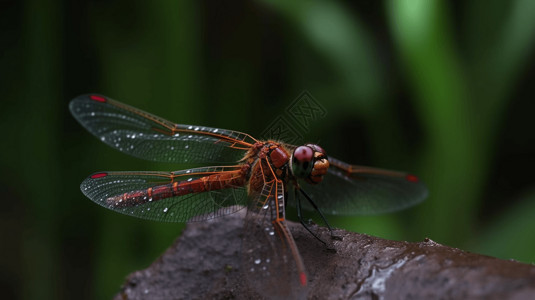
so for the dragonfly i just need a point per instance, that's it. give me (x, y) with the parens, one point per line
(260, 175)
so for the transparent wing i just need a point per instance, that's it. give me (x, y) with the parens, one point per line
(110, 189)
(271, 261)
(358, 190)
(146, 136)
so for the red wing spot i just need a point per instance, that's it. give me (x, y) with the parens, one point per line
(412, 178)
(99, 175)
(303, 278)
(98, 98)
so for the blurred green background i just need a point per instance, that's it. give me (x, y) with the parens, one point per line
(442, 89)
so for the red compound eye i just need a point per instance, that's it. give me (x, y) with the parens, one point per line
(303, 154)
(317, 148)
(302, 161)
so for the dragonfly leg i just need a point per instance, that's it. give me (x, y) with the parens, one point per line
(300, 217)
(333, 236)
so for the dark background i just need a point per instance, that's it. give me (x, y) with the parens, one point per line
(442, 89)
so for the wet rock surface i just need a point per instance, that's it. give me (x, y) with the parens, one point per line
(204, 263)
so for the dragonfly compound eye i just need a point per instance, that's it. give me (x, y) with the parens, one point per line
(318, 149)
(310, 163)
(302, 161)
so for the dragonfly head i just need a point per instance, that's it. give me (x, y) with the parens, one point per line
(310, 162)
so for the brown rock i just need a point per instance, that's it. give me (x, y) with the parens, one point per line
(204, 263)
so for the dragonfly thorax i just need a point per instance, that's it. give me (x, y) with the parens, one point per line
(310, 162)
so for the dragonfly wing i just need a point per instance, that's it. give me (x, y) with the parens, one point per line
(147, 136)
(358, 190)
(271, 261)
(197, 206)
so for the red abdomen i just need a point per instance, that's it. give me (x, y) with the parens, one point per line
(178, 188)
